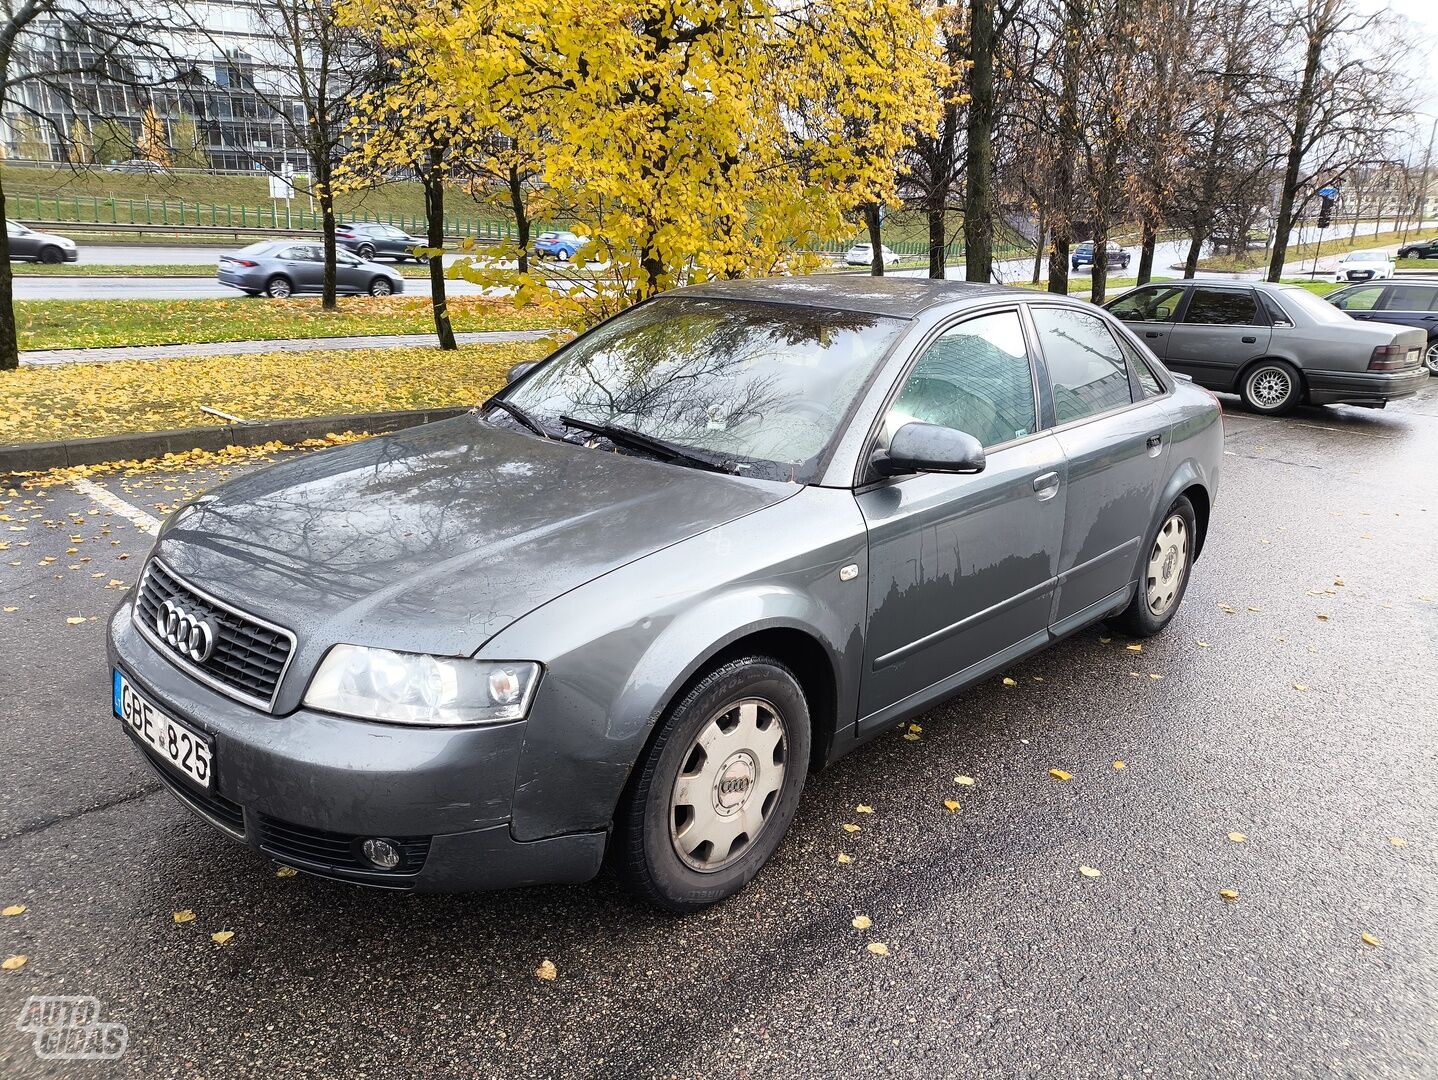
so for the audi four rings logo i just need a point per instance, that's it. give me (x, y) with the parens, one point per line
(187, 633)
(734, 785)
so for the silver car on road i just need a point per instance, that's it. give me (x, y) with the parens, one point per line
(630, 602)
(1277, 346)
(283, 268)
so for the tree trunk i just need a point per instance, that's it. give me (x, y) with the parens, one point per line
(1145, 254)
(1195, 248)
(325, 191)
(876, 239)
(434, 222)
(938, 239)
(521, 217)
(9, 347)
(1039, 249)
(1061, 213)
(979, 151)
(1099, 287)
(1293, 168)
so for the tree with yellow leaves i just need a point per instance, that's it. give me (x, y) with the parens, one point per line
(153, 145)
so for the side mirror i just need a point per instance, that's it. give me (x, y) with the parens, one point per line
(929, 448)
(519, 371)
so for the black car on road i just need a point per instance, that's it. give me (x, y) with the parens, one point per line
(371, 240)
(1420, 249)
(1407, 303)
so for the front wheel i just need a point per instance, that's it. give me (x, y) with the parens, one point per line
(714, 795)
(1272, 387)
(380, 287)
(365, 252)
(50, 256)
(1430, 358)
(1163, 578)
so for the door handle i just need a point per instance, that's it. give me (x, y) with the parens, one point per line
(1249, 339)
(1153, 333)
(1046, 486)
(1154, 442)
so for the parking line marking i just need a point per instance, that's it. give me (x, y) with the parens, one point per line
(116, 505)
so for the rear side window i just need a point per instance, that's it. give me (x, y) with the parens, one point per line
(1409, 298)
(974, 378)
(1276, 314)
(1146, 378)
(1086, 367)
(1365, 299)
(1222, 307)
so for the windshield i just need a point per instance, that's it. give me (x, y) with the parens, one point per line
(1316, 309)
(15, 227)
(765, 386)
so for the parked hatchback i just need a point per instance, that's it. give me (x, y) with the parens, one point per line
(1404, 303)
(1277, 346)
(557, 245)
(629, 603)
(31, 245)
(371, 240)
(284, 268)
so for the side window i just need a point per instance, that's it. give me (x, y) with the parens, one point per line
(1156, 304)
(1407, 298)
(974, 378)
(1085, 366)
(1276, 315)
(1222, 307)
(294, 253)
(1146, 378)
(1365, 299)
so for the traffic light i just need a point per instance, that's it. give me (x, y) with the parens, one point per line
(1325, 214)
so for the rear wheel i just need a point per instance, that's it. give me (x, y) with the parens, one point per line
(714, 795)
(1163, 578)
(365, 252)
(380, 287)
(279, 288)
(1272, 387)
(1430, 358)
(51, 255)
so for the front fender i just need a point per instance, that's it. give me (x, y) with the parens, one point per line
(620, 648)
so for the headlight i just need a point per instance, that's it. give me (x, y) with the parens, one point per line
(412, 688)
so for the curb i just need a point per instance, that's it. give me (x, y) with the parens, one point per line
(37, 457)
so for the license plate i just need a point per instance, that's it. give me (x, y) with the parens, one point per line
(178, 745)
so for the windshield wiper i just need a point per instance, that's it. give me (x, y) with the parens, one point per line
(637, 440)
(519, 414)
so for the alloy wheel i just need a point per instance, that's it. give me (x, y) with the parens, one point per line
(1270, 387)
(729, 785)
(1430, 359)
(279, 289)
(1167, 564)
(380, 287)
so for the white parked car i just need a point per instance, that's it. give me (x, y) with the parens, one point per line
(1363, 266)
(863, 255)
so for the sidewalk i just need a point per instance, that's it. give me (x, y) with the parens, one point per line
(49, 357)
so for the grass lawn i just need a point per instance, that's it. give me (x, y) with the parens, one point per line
(1334, 245)
(78, 401)
(76, 324)
(1431, 265)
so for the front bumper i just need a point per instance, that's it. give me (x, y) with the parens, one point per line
(1373, 388)
(306, 789)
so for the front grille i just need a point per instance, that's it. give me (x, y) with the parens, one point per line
(316, 849)
(249, 656)
(211, 806)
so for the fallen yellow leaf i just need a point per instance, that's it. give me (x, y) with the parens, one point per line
(1134, 647)
(13, 910)
(1104, 640)
(952, 806)
(286, 871)
(14, 963)
(184, 916)
(863, 809)
(1059, 774)
(75, 620)
(909, 736)
(1237, 837)
(914, 729)
(878, 948)
(844, 860)
(1300, 686)
(1010, 682)
(1397, 841)
(1369, 939)
(862, 922)
(1203, 644)
(222, 936)
(1089, 871)
(1154, 676)
(849, 826)
(1322, 618)
(1253, 609)
(1119, 765)
(967, 781)
(1228, 894)
(546, 971)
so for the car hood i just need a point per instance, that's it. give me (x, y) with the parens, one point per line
(436, 538)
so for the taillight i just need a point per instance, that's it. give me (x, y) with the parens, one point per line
(244, 262)
(1388, 358)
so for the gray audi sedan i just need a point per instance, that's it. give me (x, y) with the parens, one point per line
(628, 604)
(285, 268)
(1276, 346)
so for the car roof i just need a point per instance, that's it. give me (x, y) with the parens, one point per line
(902, 298)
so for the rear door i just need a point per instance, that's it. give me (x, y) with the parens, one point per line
(1150, 312)
(1361, 302)
(23, 242)
(1220, 329)
(1115, 442)
(961, 568)
(1409, 304)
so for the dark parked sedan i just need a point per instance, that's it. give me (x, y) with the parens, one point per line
(630, 603)
(1115, 258)
(283, 268)
(1420, 249)
(1403, 303)
(371, 240)
(1277, 346)
(29, 245)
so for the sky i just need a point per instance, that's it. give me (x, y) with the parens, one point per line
(1423, 15)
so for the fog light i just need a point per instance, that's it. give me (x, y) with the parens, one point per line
(382, 853)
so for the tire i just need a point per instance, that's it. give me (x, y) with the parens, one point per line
(51, 255)
(671, 852)
(562, 255)
(381, 287)
(1430, 358)
(365, 252)
(1272, 387)
(1164, 573)
(279, 287)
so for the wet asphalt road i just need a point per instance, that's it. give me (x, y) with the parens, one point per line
(1003, 960)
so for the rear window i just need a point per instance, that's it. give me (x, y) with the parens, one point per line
(1410, 298)
(1317, 310)
(256, 249)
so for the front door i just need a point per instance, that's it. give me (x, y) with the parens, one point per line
(1115, 444)
(962, 567)
(1220, 330)
(1150, 313)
